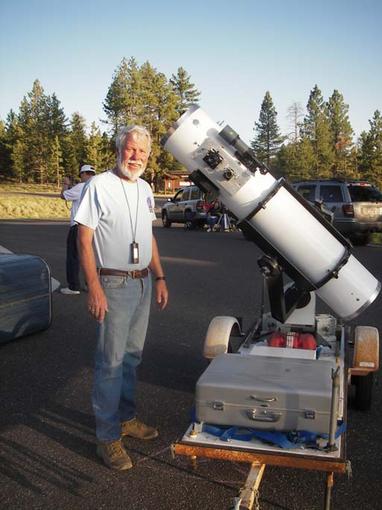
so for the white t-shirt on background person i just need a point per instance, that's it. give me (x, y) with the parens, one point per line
(74, 195)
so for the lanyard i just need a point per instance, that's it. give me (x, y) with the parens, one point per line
(133, 229)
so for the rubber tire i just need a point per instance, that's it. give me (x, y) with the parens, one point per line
(228, 331)
(363, 391)
(189, 222)
(165, 221)
(360, 239)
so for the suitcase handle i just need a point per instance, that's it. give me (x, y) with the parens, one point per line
(266, 415)
(260, 399)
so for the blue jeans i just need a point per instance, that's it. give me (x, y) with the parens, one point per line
(120, 340)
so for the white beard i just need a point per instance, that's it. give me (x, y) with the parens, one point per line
(132, 175)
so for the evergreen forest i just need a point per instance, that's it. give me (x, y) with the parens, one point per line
(39, 144)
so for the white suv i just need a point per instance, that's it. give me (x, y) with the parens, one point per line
(356, 205)
(186, 206)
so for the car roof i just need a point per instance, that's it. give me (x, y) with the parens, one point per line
(335, 181)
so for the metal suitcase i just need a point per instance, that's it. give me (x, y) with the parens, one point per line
(25, 296)
(264, 392)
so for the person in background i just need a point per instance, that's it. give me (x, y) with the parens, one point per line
(73, 194)
(213, 211)
(119, 255)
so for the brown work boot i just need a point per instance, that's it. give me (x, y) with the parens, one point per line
(114, 455)
(137, 429)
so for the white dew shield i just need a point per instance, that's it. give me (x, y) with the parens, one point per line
(275, 213)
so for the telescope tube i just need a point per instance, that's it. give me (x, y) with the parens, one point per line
(250, 191)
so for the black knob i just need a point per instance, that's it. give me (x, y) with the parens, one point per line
(228, 173)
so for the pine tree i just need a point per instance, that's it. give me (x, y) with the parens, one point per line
(94, 147)
(57, 121)
(57, 132)
(184, 89)
(316, 129)
(341, 133)
(352, 163)
(305, 159)
(107, 153)
(295, 160)
(160, 111)
(33, 121)
(142, 95)
(75, 145)
(123, 100)
(365, 154)
(5, 153)
(55, 168)
(18, 160)
(370, 157)
(13, 136)
(268, 139)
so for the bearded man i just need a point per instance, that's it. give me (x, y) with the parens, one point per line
(119, 256)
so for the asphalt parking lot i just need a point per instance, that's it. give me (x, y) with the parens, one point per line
(47, 442)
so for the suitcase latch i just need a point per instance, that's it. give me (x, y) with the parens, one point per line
(217, 405)
(263, 415)
(309, 415)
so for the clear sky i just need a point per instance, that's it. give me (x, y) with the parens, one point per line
(234, 50)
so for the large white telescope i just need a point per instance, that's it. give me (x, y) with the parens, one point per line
(309, 249)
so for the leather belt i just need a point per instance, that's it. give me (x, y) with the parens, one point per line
(137, 273)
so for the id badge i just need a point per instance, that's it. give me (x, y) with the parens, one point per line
(135, 252)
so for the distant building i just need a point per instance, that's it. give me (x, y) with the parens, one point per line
(175, 180)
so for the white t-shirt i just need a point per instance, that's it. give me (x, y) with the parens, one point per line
(104, 208)
(74, 195)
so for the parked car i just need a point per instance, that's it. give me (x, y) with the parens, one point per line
(356, 205)
(187, 206)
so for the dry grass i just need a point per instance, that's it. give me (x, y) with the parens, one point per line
(12, 208)
(31, 201)
(8, 187)
(376, 238)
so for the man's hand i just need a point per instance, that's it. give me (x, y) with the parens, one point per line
(97, 302)
(161, 293)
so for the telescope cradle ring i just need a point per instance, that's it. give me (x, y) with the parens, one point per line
(333, 273)
(263, 203)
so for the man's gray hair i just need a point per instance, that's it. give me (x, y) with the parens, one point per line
(124, 132)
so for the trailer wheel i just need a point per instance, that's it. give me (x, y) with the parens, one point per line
(165, 221)
(223, 335)
(361, 239)
(366, 361)
(363, 391)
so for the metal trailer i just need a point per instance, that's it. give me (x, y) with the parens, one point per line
(298, 242)
(357, 358)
